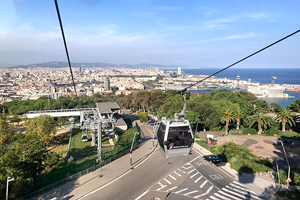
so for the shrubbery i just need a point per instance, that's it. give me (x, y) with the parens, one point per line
(272, 131)
(294, 174)
(241, 159)
(143, 116)
(250, 131)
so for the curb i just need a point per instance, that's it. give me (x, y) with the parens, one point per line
(121, 175)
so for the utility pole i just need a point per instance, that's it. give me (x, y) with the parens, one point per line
(99, 140)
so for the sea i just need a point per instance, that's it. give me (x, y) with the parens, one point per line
(257, 75)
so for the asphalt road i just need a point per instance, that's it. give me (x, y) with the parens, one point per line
(177, 178)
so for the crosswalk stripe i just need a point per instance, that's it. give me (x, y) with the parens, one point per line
(241, 188)
(161, 186)
(194, 175)
(181, 190)
(228, 195)
(191, 171)
(234, 193)
(205, 193)
(243, 192)
(238, 183)
(214, 198)
(176, 173)
(198, 179)
(173, 177)
(167, 181)
(201, 186)
(221, 196)
(191, 192)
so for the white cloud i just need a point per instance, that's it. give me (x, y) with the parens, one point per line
(206, 10)
(232, 37)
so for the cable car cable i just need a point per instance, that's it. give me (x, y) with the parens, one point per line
(65, 43)
(185, 89)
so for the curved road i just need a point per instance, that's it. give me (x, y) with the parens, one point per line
(176, 178)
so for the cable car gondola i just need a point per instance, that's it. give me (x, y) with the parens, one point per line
(175, 136)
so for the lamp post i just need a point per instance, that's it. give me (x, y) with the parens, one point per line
(9, 179)
(289, 170)
(132, 147)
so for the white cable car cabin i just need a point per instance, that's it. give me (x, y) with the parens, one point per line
(175, 137)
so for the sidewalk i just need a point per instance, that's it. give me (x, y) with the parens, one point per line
(262, 185)
(79, 187)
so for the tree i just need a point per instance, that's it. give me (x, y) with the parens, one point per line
(295, 106)
(193, 117)
(248, 95)
(44, 126)
(227, 117)
(6, 132)
(261, 121)
(238, 115)
(275, 106)
(285, 116)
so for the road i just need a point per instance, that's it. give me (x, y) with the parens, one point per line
(177, 178)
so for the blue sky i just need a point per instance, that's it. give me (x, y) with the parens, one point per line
(184, 33)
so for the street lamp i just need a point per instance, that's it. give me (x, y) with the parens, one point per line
(287, 162)
(9, 179)
(132, 147)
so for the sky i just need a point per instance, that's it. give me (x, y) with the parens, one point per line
(169, 32)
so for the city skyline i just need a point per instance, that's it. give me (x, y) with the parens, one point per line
(200, 34)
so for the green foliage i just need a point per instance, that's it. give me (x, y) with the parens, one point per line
(273, 131)
(295, 106)
(294, 174)
(248, 95)
(250, 131)
(7, 133)
(143, 116)
(44, 126)
(52, 160)
(261, 105)
(126, 138)
(241, 159)
(193, 117)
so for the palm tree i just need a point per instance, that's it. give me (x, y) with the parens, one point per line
(285, 116)
(261, 121)
(227, 117)
(239, 114)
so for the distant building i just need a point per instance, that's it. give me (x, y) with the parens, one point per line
(179, 71)
(237, 83)
(106, 84)
(79, 69)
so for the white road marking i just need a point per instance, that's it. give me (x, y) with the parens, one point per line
(241, 188)
(181, 190)
(190, 192)
(167, 181)
(189, 166)
(176, 173)
(216, 177)
(173, 177)
(242, 192)
(238, 183)
(201, 186)
(195, 159)
(181, 171)
(191, 171)
(194, 175)
(221, 196)
(207, 191)
(172, 188)
(228, 195)
(161, 186)
(236, 194)
(214, 198)
(198, 178)
(141, 195)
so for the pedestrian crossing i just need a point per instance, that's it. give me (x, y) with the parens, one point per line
(201, 188)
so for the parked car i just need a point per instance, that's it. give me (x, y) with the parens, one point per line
(84, 138)
(212, 158)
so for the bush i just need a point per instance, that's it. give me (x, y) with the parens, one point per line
(273, 131)
(143, 116)
(241, 159)
(294, 174)
(52, 160)
(250, 131)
